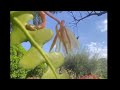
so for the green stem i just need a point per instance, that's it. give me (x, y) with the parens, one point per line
(33, 42)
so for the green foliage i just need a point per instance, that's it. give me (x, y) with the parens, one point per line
(38, 71)
(36, 62)
(80, 64)
(19, 20)
(16, 53)
(50, 75)
(16, 72)
(102, 68)
(36, 55)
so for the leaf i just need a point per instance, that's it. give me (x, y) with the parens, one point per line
(68, 38)
(63, 39)
(58, 44)
(74, 41)
(50, 75)
(53, 43)
(56, 59)
(35, 55)
(17, 36)
(34, 58)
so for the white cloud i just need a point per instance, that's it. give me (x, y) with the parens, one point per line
(98, 48)
(102, 26)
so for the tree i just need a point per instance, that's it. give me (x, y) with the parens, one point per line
(85, 14)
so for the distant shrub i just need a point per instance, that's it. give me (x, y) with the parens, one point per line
(101, 70)
(81, 64)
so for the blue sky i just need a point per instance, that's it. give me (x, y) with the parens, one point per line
(92, 32)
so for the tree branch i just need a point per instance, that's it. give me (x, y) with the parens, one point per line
(76, 20)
